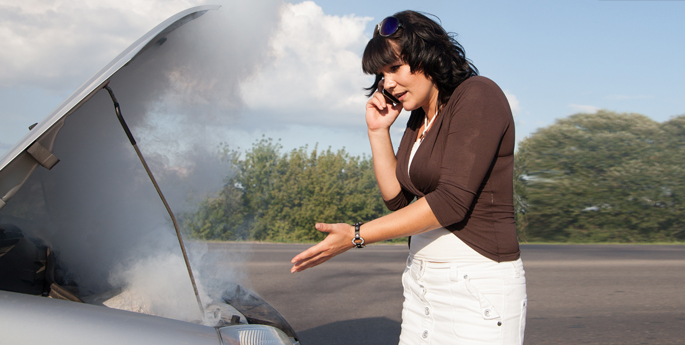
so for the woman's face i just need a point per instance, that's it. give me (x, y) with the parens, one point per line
(414, 90)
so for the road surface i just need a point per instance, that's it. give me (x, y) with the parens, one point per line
(578, 294)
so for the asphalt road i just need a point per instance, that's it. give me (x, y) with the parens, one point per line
(578, 294)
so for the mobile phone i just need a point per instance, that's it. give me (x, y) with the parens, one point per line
(390, 97)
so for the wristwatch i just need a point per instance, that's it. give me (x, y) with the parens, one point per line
(358, 240)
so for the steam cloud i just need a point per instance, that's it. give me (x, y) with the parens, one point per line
(232, 71)
(97, 209)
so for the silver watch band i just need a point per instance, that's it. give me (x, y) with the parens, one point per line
(358, 240)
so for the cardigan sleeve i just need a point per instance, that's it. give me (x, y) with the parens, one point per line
(401, 200)
(478, 120)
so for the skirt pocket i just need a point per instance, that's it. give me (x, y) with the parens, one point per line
(489, 292)
(477, 308)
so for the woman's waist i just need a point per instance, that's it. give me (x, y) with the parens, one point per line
(441, 245)
(466, 268)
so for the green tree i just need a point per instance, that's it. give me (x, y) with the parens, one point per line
(279, 197)
(602, 177)
(520, 191)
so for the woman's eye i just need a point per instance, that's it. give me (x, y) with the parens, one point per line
(394, 68)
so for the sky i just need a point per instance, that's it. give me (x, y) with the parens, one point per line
(551, 58)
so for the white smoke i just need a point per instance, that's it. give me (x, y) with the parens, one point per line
(157, 285)
(306, 73)
(98, 210)
(243, 66)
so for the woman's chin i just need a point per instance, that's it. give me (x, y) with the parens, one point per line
(409, 106)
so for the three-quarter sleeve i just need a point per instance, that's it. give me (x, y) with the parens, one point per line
(402, 199)
(478, 120)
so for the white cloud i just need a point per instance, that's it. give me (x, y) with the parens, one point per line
(64, 43)
(50, 43)
(588, 109)
(316, 75)
(312, 77)
(513, 103)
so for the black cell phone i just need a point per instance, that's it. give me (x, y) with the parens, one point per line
(390, 97)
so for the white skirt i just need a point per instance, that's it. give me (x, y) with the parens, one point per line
(459, 296)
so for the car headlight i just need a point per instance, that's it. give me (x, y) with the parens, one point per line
(254, 335)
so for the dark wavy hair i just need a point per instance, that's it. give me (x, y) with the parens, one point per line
(426, 47)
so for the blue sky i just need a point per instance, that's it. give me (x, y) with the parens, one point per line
(552, 59)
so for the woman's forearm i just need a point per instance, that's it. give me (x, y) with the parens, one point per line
(384, 163)
(413, 219)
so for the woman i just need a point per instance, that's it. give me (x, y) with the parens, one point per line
(464, 282)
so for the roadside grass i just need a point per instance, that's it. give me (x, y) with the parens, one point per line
(602, 243)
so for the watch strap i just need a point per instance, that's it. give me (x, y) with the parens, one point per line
(358, 241)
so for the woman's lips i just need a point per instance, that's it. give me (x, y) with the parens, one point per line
(400, 95)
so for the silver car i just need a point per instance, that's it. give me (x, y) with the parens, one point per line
(91, 251)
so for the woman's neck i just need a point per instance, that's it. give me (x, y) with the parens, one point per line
(431, 109)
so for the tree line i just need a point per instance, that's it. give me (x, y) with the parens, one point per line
(274, 196)
(604, 177)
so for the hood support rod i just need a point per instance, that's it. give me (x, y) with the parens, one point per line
(117, 109)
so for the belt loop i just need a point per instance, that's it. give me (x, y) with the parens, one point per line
(454, 273)
(517, 272)
(417, 268)
(422, 268)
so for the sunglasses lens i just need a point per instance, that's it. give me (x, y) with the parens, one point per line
(388, 26)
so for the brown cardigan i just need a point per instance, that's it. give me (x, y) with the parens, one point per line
(464, 168)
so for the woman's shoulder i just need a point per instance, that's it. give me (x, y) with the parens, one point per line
(477, 89)
(477, 84)
(479, 94)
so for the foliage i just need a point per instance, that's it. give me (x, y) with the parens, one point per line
(602, 177)
(279, 197)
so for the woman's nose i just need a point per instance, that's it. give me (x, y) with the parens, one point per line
(389, 83)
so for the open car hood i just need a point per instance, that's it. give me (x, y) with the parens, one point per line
(36, 147)
(76, 204)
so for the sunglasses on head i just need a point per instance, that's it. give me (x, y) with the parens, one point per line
(388, 26)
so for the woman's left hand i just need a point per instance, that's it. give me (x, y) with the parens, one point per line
(338, 241)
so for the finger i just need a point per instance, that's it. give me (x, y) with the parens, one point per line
(306, 263)
(299, 267)
(305, 255)
(318, 248)
(382, 99)
(309, 253)
(324, 227)
(376, 102)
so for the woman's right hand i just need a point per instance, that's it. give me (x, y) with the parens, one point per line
(380, 114)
